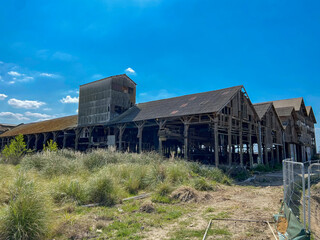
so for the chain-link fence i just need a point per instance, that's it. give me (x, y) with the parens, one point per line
(314, 199)
(301, 184)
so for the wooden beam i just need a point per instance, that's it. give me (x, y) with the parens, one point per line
(241, 144)
(230, 141)
(216, 142)
(260, 159)
(140, 126)
(185, 135)
(121, 128)
(250, 147)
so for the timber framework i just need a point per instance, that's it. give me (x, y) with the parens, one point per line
(215, 127)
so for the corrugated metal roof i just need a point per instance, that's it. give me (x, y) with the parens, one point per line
(52, 125)
(284, 111)
(262, 108)
(112, 77)
(199, 103)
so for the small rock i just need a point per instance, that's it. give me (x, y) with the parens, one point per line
(99, 231)
(142, 228)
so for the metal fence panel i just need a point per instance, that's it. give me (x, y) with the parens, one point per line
(294, 188)
(314, 199)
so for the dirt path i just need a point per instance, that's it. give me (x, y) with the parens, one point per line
(238, 202)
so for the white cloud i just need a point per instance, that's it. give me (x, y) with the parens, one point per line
(62, 56)
(47, 109)
(26, 104)
(12, 82)
(48, 75)
(69, 99)
(97, 76)
(26, 79)
(15, 116)
(38, 115)
(15, 74)
(3, 96)
(130, 71)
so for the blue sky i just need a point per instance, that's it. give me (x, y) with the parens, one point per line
(171, 47)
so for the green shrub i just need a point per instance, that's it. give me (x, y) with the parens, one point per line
(51, 146)
(101, 190)
(162, 192)
(14, 152)
(202, 184)
(156, 174)
(69, 191)
(26, 216)
(177, 173)
(95, 159)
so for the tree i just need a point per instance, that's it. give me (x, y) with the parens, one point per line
(51, 146)
(14, 152)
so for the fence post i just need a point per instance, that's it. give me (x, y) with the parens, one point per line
(309, 195)
(303, 196)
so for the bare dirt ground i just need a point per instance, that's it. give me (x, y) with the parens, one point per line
(258, 199)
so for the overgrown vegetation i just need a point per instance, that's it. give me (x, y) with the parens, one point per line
(66, 180)
(13, 152)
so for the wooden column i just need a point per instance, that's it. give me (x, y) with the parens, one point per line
(64, 144)
(185, 135)
(45, 138)
(278, 154)
(266, 146)
(76, 140)
(250, 146)
(260, 159)
(36, 141)
(241, 144)
(216, 142)
(55, 136)
(272, 153)
(121, 128)
(230, 140)
(29, 137)
(90, 130)
(140, 127)
(284, 145)
(161, 124)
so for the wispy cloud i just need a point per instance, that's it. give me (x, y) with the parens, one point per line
(130, 71)
(62, 56)
(38, 115)
(3, 96)
(152, 96)
(13, 116)
(97, 76)
(69, 99)
(14, 73)
(11, 73)
(49, 75)
(26, 104)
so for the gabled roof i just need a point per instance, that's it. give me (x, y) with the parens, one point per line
(293, 102)
(199, 103)
(284, 111)
(111, 77)
(311, 114)
(5, 127)
(52, 125)
(262, 108)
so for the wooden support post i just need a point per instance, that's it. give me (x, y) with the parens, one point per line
(272, 154)
(64, 144)
(161, 124)
(45, 138)
(278, 154)
(2, 143)
(55, 136)
(216, 142)
(140, 127)
(121, 128)
(241, 144)
(90, 130)
(250, 146)
(284, 145)
(230, 141)
(260, 159)
(185, 135)
(29, 138)
(76, 140)
(36, 141)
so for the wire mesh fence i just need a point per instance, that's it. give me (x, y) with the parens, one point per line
(313, 204)
(301, 184)
(294, 188)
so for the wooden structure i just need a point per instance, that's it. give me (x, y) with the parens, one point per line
(216, 127)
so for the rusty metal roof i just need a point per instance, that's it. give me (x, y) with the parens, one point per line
(52, 125)
(199, 103)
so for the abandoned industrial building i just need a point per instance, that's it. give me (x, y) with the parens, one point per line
(215, 127)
